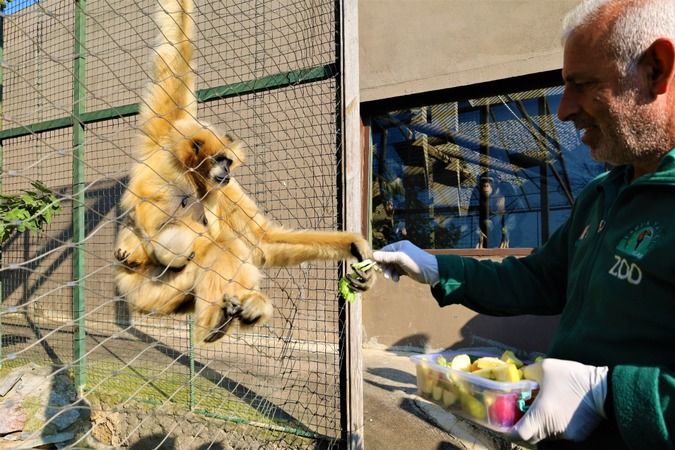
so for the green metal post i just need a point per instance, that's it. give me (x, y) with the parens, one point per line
(2, 88)
(191, 355)
(79, 74)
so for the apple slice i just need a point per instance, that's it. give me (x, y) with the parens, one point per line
(487, 362)
(533, 372)
(508, 372)
(461, 362)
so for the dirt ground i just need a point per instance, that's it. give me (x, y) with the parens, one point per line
(395, 417)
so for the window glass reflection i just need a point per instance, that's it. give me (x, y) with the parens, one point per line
(492, 172)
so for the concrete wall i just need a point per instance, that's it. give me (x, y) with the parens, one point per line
(404, 315)
(425, 45)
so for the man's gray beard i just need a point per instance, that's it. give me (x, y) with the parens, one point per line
(639, 134)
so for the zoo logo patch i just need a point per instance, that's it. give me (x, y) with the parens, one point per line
(638, 240)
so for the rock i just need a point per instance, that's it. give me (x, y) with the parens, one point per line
(32, 440)
(8, 382)
(12, 416)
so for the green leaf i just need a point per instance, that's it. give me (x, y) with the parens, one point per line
(346, 291)
(29, 199)
(30, 210)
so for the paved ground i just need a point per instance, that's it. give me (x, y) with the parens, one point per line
(395, 418)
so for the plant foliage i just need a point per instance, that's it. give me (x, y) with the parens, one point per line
(28, 211)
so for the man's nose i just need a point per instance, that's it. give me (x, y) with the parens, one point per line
(568, 107)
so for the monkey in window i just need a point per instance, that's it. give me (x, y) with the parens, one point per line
(193, 240)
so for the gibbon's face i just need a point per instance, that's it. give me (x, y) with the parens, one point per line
(211, 156)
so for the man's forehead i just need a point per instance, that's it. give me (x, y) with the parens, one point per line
(584, 57)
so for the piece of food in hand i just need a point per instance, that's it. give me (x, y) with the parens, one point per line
(533, 372)
(504, 411)
(509, 357)
(345, 289)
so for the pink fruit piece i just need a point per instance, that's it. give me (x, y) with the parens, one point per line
(504, 411)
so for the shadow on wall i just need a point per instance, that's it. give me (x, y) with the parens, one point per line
(527, 333)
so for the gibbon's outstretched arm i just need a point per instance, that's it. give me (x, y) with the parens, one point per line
(229, 210)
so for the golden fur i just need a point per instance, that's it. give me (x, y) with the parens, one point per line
(193, 239)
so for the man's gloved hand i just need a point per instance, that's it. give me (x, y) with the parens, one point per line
(404, 258)
(570, 403)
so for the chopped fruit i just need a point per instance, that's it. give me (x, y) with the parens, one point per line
(437, 393)
(461, 362)
(533, 372)
(504, 411)
(449, 398)
(509, 357)
(509, 373)
(485, 373)
(473, 406)
(487, 362)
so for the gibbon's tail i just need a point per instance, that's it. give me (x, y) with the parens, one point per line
(171, 93)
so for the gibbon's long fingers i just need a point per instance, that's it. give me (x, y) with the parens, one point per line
(130, 249)
(172, 95)
(256, 308)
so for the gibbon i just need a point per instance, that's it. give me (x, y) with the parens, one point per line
(193, 240)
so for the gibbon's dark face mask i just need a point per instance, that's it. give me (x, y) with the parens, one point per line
(220, 169)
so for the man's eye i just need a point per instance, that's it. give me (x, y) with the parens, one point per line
(579, 85)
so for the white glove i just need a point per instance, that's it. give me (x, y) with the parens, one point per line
(404, 258)
(570, 404)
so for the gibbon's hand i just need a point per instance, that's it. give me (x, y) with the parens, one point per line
(360, 280)
(405, 258)
(570, 403)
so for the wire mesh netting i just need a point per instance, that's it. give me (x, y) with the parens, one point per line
(266, 73)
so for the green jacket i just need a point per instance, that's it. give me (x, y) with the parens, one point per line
(609, 270)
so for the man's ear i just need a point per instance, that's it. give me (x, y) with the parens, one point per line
(659, 61)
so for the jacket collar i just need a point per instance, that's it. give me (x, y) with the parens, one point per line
(622, 175)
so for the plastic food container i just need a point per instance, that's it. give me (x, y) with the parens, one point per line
(493, 404)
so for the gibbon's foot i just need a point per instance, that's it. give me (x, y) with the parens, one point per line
(123, 257)
(221, 329)
(226, 315)
(255, 308)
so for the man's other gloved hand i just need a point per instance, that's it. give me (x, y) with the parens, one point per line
(570, 403)
(404, 258)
